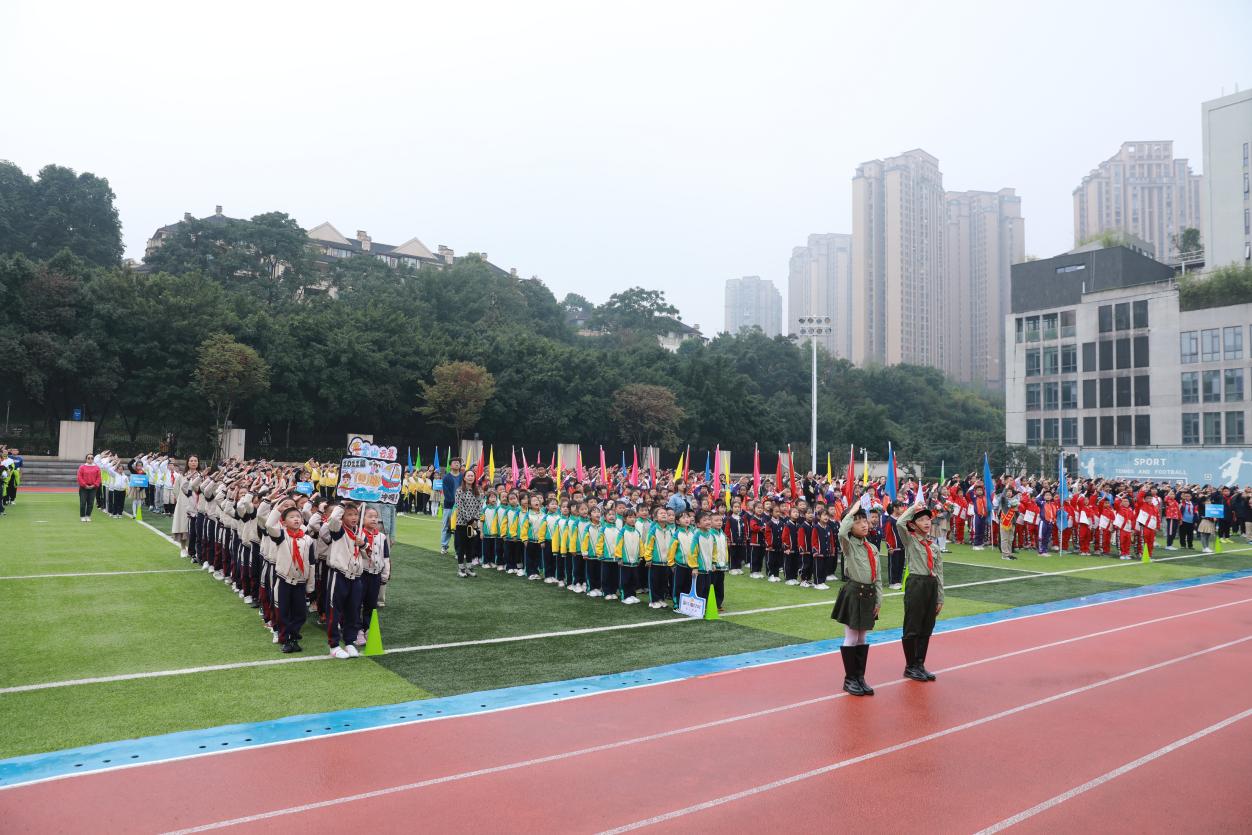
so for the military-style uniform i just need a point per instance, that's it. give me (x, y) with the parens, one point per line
(857, 600)
(923, 594)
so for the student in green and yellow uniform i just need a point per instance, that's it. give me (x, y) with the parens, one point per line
(859, 600)
(611, 567)
(923, 592)
(659, 557)
(682, 544)
(577, 529)
(559, 535)
(592, 547)
(628, 554)
(512, 529)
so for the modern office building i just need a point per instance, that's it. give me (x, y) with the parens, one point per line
(753, 302)
(1143, 190)
(898, 263)
(819, 283)
(986, 235)
(1227, 126)
(1100, 359)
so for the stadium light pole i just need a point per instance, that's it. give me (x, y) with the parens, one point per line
(813, 327)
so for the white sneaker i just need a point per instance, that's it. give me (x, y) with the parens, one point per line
(474, 561)
(534, 577)
(206, 566)
(977, 547)
(217, 575)
(773, 578)
(595, 593)
(736, 571)
(805, 584)
(579, 587)
(793, 582)
(630, 601)
(1207, 551)
(499, 568)
(821, 587)
(339, 652)
(275, 631)
(352, 651)
(755, 575)
(248, 599)
(1171, 547)
(896, 586)
(547, 581)
(1123, 558)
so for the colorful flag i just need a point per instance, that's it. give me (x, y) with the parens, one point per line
(513, 473)
(986, 482)
(478, 473)
(623, 461)
(436, 459)
(716, 478)
(942, 471)
(708, 471)
(491, 465)
(604, 469)
(1062, 495)
(411, 456)
(756, 471)
(791, 465)
(579, 471)
(557, 473)
(678, 471)
(525, 470)
(634, 467)
(865, 468)
(778, 482)
(891, 472)
(830, 476)
(652, 470)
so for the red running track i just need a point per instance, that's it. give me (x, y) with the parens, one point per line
(1024, 711)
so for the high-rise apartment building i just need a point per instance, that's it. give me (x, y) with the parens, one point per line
(1143, 190)
(819, 283)
(753, 302)
(898, 265)
(1227, 124)
(985, 236)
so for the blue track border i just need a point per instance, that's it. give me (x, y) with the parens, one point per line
(146, 750)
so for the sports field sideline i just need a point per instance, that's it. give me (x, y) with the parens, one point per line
(127, 640)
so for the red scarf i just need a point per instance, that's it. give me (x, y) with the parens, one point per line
(295, 536)
(356, 546)
(873, 561)
(930, 558)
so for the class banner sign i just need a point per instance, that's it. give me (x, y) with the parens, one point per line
(1219, 467)
(370, 474)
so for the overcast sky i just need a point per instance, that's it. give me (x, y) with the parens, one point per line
(599, 146)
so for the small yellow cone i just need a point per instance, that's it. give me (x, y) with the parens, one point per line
(1217, 544)
(1146, 558)
(710, 606)
(138, 513)
(374, 638)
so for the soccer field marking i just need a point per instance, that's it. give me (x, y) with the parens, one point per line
(1053, 802)
(99, 573)
(609, 746)
(911, 743)
(514, 638)
(994, 567)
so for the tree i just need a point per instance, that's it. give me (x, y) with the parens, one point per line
(59, 210)
(575, 303)
(1188, 241)
(457, 396)
(634, 311)
(228, 374)
(1231, 284)
(647, 415)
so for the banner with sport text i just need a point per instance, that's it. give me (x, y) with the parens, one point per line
(1218, 467)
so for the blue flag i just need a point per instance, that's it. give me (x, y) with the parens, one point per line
(623, 461)
(1062, 494)
(436, 459)
(410, 457)
(708, 470)
(891, 472)
(987, 483)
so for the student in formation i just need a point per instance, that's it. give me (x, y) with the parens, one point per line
(1009, 507)
(791, 547)
(293, 569)
(610, 568)
(806, 542)
(1148, 519)
(681, 546)
(822, 545)
(511, 529)
(627, 553)
(660, 558)
(923, 594)
(859, 600)
(547, 529)
(491, 532)
(592, 549)
(1123, 524)
(774, 545)
(347, 563)
(735, 528)
(376, 549)
(579, 528)
(756, 523)
(895, 550)
(556, 544)
(531, 530)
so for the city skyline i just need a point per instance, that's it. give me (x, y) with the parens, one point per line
(643, 152)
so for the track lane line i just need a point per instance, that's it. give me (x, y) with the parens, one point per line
(1109, 776)
(921, 740)
(618, 744)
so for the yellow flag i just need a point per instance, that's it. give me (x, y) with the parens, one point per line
(491, 466)
(557, 474)
(865, 470)
(829, 474)
(678, 472)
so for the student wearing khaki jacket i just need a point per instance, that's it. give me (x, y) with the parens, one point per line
(923, 593)
(293, 569)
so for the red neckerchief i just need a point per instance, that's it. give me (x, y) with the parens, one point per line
(873, 561)
(930, 558)
(356, 546)
(294, 536)
(369, 538)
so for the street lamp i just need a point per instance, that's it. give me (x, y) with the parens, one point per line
(813, 327)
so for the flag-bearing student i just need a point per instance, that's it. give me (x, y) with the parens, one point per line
(376, 549)
(860, 599)
(923, 594)
(344, 594)
(293, 571)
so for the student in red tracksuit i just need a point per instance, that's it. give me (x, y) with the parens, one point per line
(804, 540)
(1173, 518)
(1086, 517)
(774, 544)
(734, 527)
(756, 541)
(791, 547)
(822, 544)
(1107, 515)
(1124, 522)
(1151, 516)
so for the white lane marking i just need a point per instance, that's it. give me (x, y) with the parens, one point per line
(993, 567)
(663, 735)
(97, 573)
(901, 746)
(1114, 774)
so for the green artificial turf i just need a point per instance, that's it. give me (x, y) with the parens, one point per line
(129, 623)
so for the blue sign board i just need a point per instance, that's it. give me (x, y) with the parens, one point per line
(1218, 467)
(78, 414)
(304, 488)
(139, 480)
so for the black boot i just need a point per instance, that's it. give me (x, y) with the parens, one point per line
(910, 659)
(850, 662)
(923, 644)
(862, 654)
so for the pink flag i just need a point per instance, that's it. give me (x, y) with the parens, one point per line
(756, 471)
(513, 478)
(652, 471)
(604, 471)
(555, 475)
(525, 470)
(581, 473)
(634, 469)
